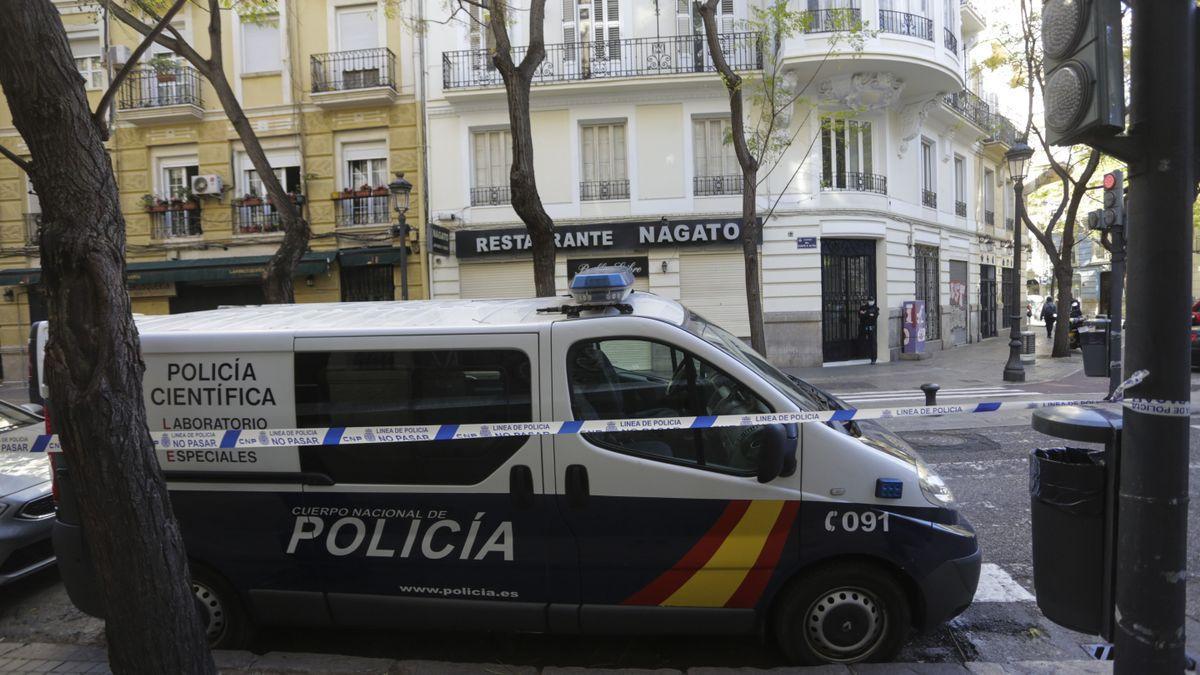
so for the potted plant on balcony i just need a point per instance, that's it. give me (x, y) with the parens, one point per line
(381, 191)
(363, 190)
(164, 66)
(248, 199)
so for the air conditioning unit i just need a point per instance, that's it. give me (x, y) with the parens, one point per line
(118, 55)
(209, 184)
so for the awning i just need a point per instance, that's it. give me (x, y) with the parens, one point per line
(201, 269)
(364, 257)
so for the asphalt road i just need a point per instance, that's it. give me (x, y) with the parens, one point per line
(986, 466)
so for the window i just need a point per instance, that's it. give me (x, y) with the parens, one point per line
(960, 186)
(177, 180)
(949, 15)
(989, 196)
(713, 156)
(630, 378)
(260, 45)
(594, 23)
(846, 162)
(492, 152)
(394, 388)
(603, 150)
(175, 183)
(91, 70)
(366, 165)
(357, 27)
(368, 283)
(289, 176)
(479, 33)
(1010, 206)
(928, 174)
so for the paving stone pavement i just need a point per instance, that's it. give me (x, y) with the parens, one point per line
(34, 657)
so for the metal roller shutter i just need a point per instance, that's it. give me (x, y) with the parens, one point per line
(714, 286)
(496, 280)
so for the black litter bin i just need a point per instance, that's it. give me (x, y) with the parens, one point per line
(1067, 508)
(1094, 344)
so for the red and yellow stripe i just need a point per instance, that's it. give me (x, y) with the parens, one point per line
(731, 564)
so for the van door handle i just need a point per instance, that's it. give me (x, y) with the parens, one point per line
(520, 486)
(577, 486)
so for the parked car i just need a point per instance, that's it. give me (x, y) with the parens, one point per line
(1195, 346)
(26, 504)
(1196, 313)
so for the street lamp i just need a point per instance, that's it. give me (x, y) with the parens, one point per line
(1018, 159)
(401, 191)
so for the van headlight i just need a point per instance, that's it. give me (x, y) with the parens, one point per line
(933, 487)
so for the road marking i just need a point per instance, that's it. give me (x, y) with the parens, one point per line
(995, 585)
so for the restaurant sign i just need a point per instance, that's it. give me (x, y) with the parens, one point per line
(657, 233)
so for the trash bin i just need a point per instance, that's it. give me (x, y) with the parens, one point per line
(1028, 346)
(1093, 341)
(1067, 488)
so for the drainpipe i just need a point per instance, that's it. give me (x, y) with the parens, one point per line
(421, 91)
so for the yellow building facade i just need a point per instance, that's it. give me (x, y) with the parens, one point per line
(331, 89)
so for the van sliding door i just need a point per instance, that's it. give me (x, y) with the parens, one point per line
(428, 534)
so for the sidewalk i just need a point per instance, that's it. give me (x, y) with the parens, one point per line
(53, 658)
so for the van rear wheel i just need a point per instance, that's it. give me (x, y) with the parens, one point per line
(226, 625)
(845, 614)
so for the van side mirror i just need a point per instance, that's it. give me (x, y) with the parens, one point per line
(777, 454)
(34, 408)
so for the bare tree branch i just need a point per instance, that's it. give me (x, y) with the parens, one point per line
(111, 92)
(25, 166)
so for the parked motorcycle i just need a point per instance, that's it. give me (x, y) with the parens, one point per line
(1073, 331)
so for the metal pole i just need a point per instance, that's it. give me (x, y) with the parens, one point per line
(403, 257)
(1116, 288)
(1153, 502)
(1013, 370)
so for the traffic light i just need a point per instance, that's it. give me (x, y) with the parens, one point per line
(1114, 200)
(1083, 66)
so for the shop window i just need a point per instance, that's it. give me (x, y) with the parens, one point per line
(395, 388)
(368, 284)
(630, 378)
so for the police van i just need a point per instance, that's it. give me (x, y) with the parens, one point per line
(833, 538)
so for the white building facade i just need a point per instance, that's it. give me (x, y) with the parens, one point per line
(893, 189)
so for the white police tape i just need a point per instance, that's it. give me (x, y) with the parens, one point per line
(276, 438)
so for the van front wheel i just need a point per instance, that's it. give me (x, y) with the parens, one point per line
(226, 625)
(844, 614)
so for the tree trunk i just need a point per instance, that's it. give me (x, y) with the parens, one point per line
(93, 359)
(1062, 345)
(518, 79)
(750, 237)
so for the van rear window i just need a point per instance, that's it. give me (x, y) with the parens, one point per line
(392, 388)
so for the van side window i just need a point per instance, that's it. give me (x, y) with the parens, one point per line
(395, 388)
(631, 378)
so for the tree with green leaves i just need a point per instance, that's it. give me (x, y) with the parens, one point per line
(147, 17)
(93, 360)
(761, 108)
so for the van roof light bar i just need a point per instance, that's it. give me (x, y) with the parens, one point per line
(599, 288)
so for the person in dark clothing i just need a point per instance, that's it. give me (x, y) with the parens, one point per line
(868, 315)
(1076, 310)
(1049, 315)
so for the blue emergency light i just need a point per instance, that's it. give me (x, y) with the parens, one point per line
(602, 285)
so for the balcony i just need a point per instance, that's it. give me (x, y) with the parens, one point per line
(717, 186)
(902, 23)
(175, 221)
(974, 109)
(832, 20)
(356, 210)
(606, 60)
(951, 41)
(162, 94)
(929, 198)
(359, 77)
(1002, 131)
(960, 209)
(495, 195)
(599, 190)
(33, 229)
(255, 215)
(989, 217)
(855, 182)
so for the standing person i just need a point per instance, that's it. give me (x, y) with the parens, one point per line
(868, 315)
(1049, 314)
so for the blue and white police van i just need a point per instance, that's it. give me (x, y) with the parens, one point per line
(833, 538)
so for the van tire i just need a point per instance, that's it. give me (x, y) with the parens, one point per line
(226, 624)
(866, 600)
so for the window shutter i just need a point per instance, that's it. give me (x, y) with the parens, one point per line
(618, 139)
(587, 135)
(613, 19)
(726, 16)
(683, 17)
(570, 31)
(699, 148)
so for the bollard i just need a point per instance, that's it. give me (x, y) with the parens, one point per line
(931, 391)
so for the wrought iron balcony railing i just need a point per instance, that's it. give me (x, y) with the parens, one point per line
(929, 198)
(160, 86)
(258, 216)
(960, 209)
(372, 210)
(903, 23)
(951, 41)
(596, 190)
(989, 217)
(1003, 130)
(496, 195)
(832, 20)
(176, 222)
(607, 59)
(970, 106)
(33, 229)
(717, 186)
(356, 69)
(855, 182)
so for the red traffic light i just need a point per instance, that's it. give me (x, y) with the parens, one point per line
(1110, 181)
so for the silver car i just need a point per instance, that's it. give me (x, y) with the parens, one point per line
(26, 504)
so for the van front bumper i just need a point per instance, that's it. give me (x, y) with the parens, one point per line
(949, 588)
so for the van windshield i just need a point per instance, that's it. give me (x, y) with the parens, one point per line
(804, 395)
